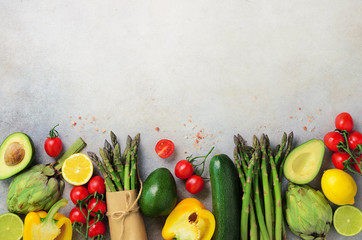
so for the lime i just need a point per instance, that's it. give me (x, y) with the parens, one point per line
(11, 226)
(347, 220)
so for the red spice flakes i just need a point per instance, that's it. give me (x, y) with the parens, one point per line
(184, 125)
(74, 123)
(79, 117)
(157, 129)
(96, 129)
(305, 128)
(189, 120)
(299, 108)
(104, 130)
(70, 116)
(291, 117)
(185, 152)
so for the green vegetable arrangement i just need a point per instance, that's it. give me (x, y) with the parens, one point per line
(260, 173)
(119, 171)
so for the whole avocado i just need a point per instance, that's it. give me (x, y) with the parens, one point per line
(159, 195)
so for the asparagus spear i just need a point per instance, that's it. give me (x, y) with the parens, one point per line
(127, 164)
(114, 176)
(108, 151)
(247, 191)
(287, 151)
(118, 162)
(104, 173)
(113, 139)
(259, 210)
(134, 151)
(278, 200)
(268, 198)
(280, 150)
(253, 225)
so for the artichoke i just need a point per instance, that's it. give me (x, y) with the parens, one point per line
(308, 212)
(39, 187)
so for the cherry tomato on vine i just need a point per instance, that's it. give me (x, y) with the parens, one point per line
(53, 144)
(195, 184)
(332, 139)
(76, 215)
(97, 229)
(78, 193)
(354, 139)
(100, 206)
(96, 184)
(338, 158)
(164, 148)
(184, 169)
(355, 164)
(344, 121)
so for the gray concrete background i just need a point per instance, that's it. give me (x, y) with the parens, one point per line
(224, 67)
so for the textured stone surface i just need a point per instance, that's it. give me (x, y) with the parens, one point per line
(225, 67)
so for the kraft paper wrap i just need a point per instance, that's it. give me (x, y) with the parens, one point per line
(125, 220)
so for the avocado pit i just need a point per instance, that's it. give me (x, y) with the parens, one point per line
(14, 154)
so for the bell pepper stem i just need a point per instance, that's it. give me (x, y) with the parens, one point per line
(54, 209)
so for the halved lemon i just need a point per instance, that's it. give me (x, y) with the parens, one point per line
(77, 169)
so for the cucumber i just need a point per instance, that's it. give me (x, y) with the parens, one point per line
(226, 197)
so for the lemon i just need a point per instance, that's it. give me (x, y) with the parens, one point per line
(11, 226)
(77, 169)
(339, 187)
(347, 220)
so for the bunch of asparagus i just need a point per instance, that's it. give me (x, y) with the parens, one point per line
(119, 170)
(260, 170)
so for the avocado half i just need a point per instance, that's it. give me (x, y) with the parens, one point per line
(16, 153)
(304, 162)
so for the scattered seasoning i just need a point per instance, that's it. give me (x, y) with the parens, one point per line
(157, 129)
(189, 120)
(79, 117)
(305, 128)
(70, 116)
(184, 125)
(185, 152)
(255, 97)
(108, 117)
(291, 117)
(104, 130)
(96, 129)
(299, 109)
(74, 123)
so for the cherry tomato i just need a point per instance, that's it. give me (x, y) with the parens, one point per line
(53, 145)
(354, 139)
(76, 215)
(96, 229)
(96, 184)
(164, 148)
(355, 164)
(338, 158)
(332, 139)
(344, 121)
(100, 206)
(78, 193)
(184, 169)
(195, 184)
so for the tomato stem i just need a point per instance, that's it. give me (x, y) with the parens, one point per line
(53, 133)
(191, 160)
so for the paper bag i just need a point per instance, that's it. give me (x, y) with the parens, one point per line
(125, 219)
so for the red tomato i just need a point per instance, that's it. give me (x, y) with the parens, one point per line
(332, 139)
(344, 121)
(184, 169)
(354, 139)
(338, 158)
(96, 229)
(96, 184)
(53, 145)
(76, 215)
(94, 207)
(355, 165)
(78, 193)
(195, 184)
(164, 148)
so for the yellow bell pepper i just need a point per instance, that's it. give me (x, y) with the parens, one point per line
(48, 226)
(189, 220)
